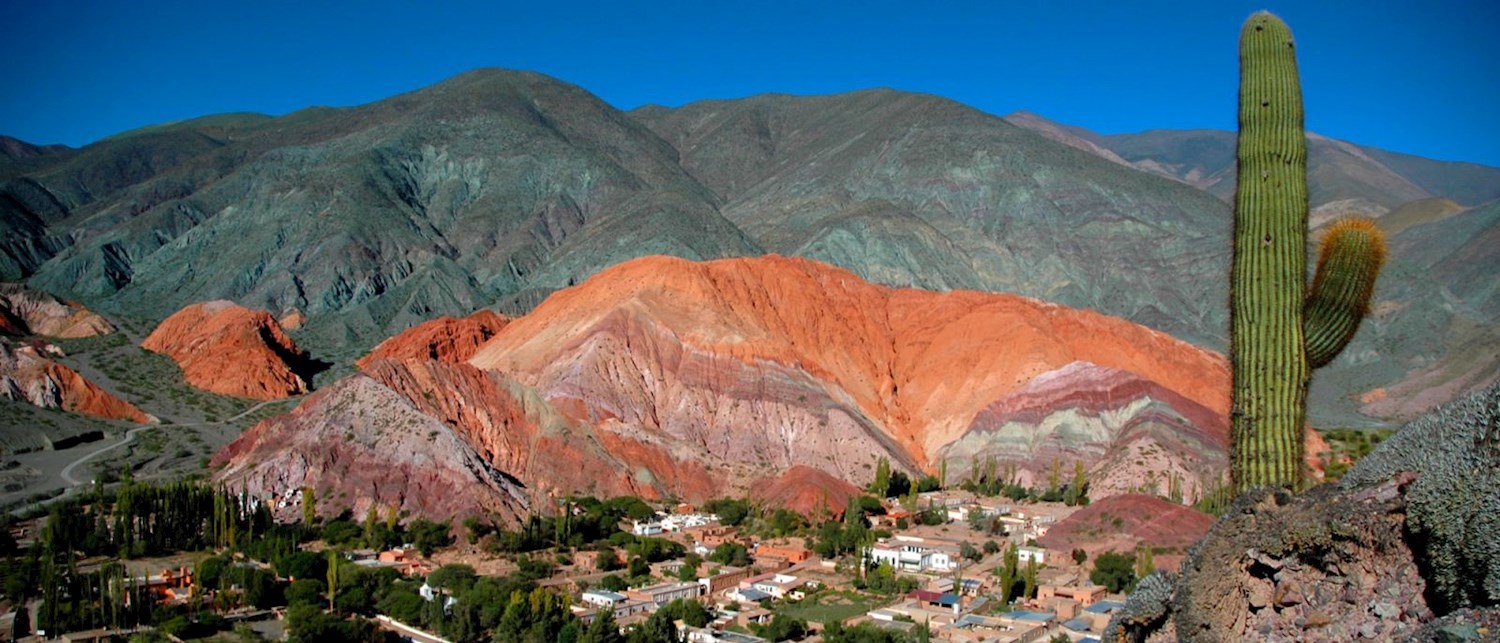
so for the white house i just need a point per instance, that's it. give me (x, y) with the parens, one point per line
(645, 528)
(430, 593)
(603, 598)
(916, 554)
(679, 522)
(777, 585)
(1027, 553)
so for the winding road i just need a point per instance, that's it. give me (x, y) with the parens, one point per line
(67, 472)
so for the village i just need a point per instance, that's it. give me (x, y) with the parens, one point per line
(952, 595)
(941, 572)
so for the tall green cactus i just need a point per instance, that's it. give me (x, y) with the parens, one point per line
(1274, 342)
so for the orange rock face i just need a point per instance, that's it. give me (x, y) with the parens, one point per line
(788, 379)
(227, 349)
(27, 374)
(444, 339)
(789, 361)
(27, 312)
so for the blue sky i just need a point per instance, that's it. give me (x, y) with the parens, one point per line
(1422, 78)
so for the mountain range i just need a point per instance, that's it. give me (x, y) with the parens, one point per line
(498, 188)
(665, 378)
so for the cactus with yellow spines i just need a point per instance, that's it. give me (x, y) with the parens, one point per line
(1279, 331)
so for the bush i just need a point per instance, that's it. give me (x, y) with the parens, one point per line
(1114, 571)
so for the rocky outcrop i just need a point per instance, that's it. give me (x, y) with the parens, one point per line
(28, 312)
(359, 445)
(445, 339)
(230, 350)
(28, 374)
(1402, 548)
(805, 490)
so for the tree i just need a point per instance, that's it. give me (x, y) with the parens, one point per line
(638, 568)
(457, 577)
(689, 570)
(1077, 489)
(21, 626)
(604, 629)
(1144, 564)
(882, 482)
(967, 550)
(1115, 571)
(731, 511)
(428, 536)
(991, 547)
(333, 576)
(899, 486)
(308, 591)
(657, 629)
(401, 602)
(690, 612)
(613, 583)
(309, 506)
(730, 553)
(784, 628)
(1079, 556)
(606, 560)
(1029, 579)
(1008, 572)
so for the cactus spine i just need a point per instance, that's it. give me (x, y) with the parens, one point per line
(1274, 342)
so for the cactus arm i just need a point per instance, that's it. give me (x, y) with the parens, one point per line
(1268, 269)
(1349, 260)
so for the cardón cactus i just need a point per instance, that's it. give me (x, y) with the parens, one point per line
(1278, 333)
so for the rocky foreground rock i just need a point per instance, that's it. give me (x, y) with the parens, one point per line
(1405, 547)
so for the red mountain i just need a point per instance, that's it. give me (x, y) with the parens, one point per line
(665, 377)
(227, 349)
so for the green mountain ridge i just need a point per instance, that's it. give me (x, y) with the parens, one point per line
(496, 188)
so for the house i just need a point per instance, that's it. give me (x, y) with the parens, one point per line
(1065, 608)
(705, 635)
(405, 561)
(916, 554)
(1086, 595)
(665, 593)
(622, 610)
(928, 598)
(645, 528)
(603, 598)
(976, 628)
(747, 595)
(1099, 614)
(713, 535)
(430, 594)
(753, 615)
(726, 578)
(773, 584)
(788, 553)
(891, 518)
(1078, 626)
(684, 522)
(1027, 554)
